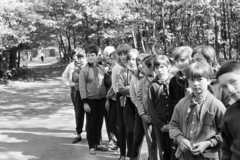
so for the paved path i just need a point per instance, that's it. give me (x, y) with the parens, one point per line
(37, 121)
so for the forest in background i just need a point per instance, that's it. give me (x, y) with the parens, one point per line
(155, 26)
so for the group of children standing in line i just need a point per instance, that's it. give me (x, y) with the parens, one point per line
(180, 110)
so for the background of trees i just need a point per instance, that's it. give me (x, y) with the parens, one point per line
(148, 25)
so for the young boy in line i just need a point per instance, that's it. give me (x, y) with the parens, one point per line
(159, 105)
(138, 133)
(122, 51)
(198, 117)
(127, 107)
(93, 94)
(228, 77)
(142, 106)
(70, 79)
(178, 85)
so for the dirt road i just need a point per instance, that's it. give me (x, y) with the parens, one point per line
(37, 121)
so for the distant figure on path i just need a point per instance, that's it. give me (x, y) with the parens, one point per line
(42, 56)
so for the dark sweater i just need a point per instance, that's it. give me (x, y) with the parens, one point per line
(177, 88)
(159, 103)
(231, 133)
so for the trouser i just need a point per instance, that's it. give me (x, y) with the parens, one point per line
(163, 144)
(129, 118)
(121, 126)
(42, 58)
(78, 109)
(95, 121)
(112, 121)
(138, 135)
(151, 140)
(106, 116)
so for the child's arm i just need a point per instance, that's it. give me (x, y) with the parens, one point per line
(140, 107)
(65, 76)
(175, 132)
(227, 142)
(132, 91)
(153, 113)
(83, 85)
(219, 117)
(122, 88)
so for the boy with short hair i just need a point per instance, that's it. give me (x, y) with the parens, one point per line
(197, 118)
(159, 105)
(93, 94)
(228, 77)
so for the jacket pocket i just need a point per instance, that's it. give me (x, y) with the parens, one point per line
(209, 118)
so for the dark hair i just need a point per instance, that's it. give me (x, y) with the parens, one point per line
(131, 51)
(73, 52)
(161, 60)
(92, 48)
(149, 61)
(123, 48)
(181, 51)
(198, 70)
(228, 67)
(208, 53)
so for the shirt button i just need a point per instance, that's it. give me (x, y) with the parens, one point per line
(167, 105)
(167, 113)
(166, 96)
(194, 112)
(190, 131)
(192, 122)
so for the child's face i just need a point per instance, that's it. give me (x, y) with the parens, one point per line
(123, 57)
(162, 71)
(230, 83)
(139, 66)
(146, 70)
(82, 60)
(199, 85)
(182, 63)
(132, 60)
(112, 60)
(199, 57)
(91, 57)
(106, 56)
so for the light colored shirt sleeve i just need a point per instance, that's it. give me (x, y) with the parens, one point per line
(66, 76)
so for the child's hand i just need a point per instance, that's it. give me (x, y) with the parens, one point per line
(164, 128)
(107, 105)
(146, 118)
(87, 107)
(185, 145)
(200, 147)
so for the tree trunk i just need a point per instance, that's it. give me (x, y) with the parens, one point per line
(216, 36)
(19, 59)
(229, 32)
(134, 39)
(12, 57)
(163, 25)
